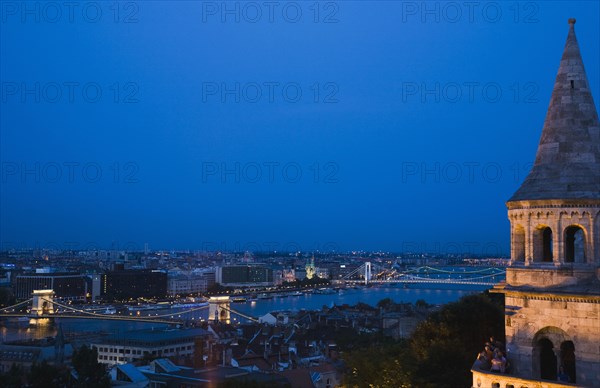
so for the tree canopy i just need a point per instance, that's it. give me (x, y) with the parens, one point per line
(439, 353)
(90, 373)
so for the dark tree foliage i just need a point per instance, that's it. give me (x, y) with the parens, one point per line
(384, 364)
(91, 374)
(7, 298)
(347, 339)
(439, 353)
(446, 344)
(363, 306)
(44, 375)
(15, 377)
(385, 303)
(41, 375)
(421, 303)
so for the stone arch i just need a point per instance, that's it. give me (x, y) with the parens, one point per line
(546, 352)
(518, 243)
(218, 308)
(555, 334)
(575, 243)
(45, 307)
(543, 244)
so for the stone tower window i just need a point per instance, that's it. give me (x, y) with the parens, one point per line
(518, 243)
(567, 359)
(542, 244)
(574, 244)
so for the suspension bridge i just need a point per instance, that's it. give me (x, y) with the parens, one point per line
(41, 308)
(370, 273)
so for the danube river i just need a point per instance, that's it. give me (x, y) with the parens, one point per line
(431, 293)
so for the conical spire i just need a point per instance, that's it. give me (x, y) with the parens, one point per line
(567, 164)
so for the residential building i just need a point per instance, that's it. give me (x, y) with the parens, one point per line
(164, 373)
(133, 346)
(26, 353)
(132, 284)
(244, 275)
(182, 285)
(66, 285)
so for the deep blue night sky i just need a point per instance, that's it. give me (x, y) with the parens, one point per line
(400, 136)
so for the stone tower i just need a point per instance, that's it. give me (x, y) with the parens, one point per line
(552, 288)
(219, 309)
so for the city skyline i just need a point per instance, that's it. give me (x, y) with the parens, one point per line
(199, 138)
(299, 194)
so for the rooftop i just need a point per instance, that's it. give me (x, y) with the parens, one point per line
(149, 336)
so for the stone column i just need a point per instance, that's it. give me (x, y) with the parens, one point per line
(512, 242)
(558, 354)
(558, 240)
(592, 255)
(528, 241)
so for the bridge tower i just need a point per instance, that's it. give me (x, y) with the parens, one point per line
(41, 307)
(41, 303)
(367, 272)
(218, 309)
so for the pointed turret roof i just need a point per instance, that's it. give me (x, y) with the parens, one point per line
(567, 164)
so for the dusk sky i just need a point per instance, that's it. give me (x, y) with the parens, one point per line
(349, 125)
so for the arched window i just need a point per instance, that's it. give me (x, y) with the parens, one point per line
(542, 244)
(518, 243)
(547, 251)
(567, 358)
(548, 366)
(574, 244)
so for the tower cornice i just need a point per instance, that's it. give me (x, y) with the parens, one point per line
(553, 203)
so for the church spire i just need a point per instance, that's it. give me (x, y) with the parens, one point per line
(567, 164)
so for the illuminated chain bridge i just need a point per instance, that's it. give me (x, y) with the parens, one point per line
(369, 273)
(43, 307)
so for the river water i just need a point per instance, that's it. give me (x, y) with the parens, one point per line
(431, 293)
